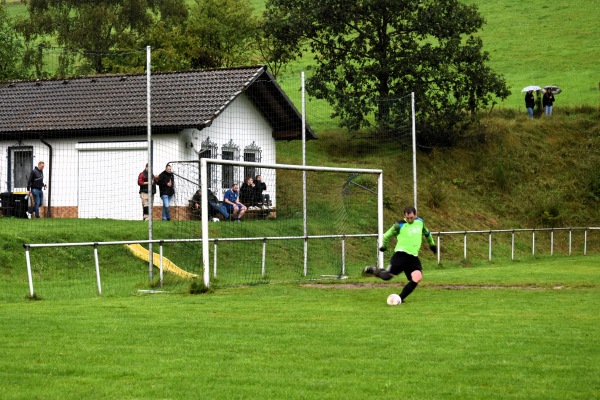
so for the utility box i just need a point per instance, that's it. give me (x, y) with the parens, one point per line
(14, 204)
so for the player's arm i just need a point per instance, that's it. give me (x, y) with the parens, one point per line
(392, 232)
(430, 240)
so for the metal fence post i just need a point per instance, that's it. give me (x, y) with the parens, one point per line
(512, 246)
(97, 268)
(263, 269)
(570, 239)
(490, 245)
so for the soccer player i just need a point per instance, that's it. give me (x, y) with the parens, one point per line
(409, 233)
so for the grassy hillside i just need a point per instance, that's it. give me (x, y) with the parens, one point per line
(545, 43)
(537, 43)
(530, 43)
(508, 172)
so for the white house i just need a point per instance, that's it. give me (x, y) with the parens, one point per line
(92, 132)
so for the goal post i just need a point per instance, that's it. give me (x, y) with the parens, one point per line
(205, 182)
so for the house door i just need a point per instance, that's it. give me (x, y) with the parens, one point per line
(107, 186)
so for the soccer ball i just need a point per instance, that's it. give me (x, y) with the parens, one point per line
(394, 300)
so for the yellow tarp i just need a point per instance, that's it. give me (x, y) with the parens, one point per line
(139, 251)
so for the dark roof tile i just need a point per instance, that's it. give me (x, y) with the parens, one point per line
(178, 99)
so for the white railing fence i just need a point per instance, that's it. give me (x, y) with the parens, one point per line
(551, 231)
(584, 231)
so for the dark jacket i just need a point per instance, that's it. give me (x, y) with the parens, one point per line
(163, 179)
(259, 188)
(197, 197)
(548, 98)
(142, 182)
(36, 179)
(247, 194)
(529, 100)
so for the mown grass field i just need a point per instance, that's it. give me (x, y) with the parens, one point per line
(526, 330)
(503, 330)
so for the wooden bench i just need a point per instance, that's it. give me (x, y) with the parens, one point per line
(260, 213)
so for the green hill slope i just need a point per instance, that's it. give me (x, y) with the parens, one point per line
(508, 172)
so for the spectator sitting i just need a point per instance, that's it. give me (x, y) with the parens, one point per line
(213, 205)
(248, 193)
(259, 196)
(235, 208)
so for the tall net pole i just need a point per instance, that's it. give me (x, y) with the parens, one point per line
(150, 170)
(304, 176)
(414, 146)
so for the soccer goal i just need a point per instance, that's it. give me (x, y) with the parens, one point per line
(310, 222)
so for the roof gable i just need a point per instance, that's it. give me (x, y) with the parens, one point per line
(179, 100)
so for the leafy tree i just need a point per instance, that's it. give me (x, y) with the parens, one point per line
(96, 27)
(275, 53)
(223, 33)
(11, 48)
(370, 51)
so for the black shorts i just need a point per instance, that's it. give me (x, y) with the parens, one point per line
(404, 262)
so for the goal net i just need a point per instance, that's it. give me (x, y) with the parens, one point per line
(307, 223)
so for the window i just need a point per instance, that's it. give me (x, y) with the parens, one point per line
(22, 165)
(227, 169)
(208, 149)
(252, 153)
(229, 152)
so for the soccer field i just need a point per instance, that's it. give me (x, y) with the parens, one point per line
(514, 330)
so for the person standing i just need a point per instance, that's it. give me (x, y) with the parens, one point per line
(35, 184)
(548, 100)
(409, 234)
(166, 186)
(143, 183)
(260, 197)
(233, 205)
(529, 103)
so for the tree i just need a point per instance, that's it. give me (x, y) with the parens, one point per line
(11, 48)
(96, 27)
(370, 51)
(223, 33)
(274, 52)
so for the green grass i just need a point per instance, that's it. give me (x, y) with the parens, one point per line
(320, 342)
(544, 43)
(475, 329)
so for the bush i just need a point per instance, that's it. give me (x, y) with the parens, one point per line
(547, 209)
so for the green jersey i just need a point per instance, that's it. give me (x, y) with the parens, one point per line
(408, 236)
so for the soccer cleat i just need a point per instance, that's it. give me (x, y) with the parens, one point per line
(28, 214)
(370, 270)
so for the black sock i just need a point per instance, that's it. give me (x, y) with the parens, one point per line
(145, 210)
(383, 274)
(408, 288)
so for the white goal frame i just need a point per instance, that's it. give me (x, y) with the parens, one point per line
(204, 162)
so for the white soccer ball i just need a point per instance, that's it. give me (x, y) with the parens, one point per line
(393, 299)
